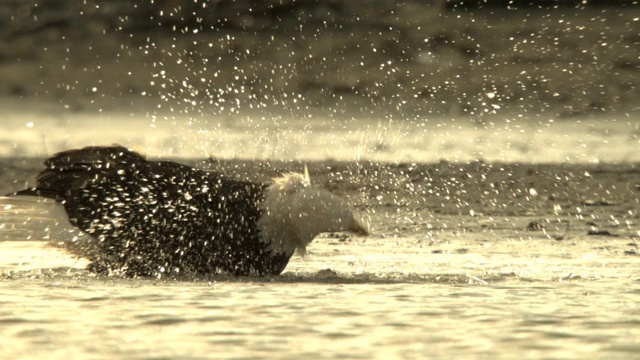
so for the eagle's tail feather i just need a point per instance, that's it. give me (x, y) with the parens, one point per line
(65, 170)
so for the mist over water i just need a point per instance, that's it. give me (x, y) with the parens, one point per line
(29, 131)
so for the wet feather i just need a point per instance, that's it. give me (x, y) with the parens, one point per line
(149, 218)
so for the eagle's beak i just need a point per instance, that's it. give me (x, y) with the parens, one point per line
(358, 228)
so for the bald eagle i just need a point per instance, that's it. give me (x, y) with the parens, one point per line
(152, 218)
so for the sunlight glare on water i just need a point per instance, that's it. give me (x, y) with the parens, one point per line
(369, 298)
(296, 315)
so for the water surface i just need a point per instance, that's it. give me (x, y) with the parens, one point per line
(493, 290)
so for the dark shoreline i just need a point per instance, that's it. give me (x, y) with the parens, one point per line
(434, 57)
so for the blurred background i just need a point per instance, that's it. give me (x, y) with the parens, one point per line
(261, 74)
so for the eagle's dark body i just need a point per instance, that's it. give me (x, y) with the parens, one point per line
(158, 217)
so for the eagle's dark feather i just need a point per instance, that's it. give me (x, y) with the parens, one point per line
(154, 217)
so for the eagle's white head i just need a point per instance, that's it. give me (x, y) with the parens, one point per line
(294, 212)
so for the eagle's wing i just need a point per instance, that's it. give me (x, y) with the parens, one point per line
(147, 217)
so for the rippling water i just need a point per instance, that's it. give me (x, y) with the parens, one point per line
(490, 291)
(81, 318)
